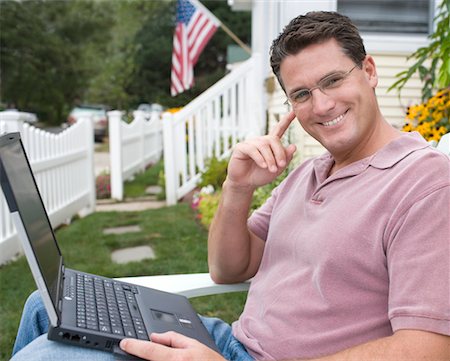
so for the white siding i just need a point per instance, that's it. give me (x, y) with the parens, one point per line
(392, 107)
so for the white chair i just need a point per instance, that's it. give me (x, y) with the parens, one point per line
(444, 144)
(189, 285)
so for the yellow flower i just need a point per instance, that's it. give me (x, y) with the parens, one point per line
(431, 119)
(174, 110)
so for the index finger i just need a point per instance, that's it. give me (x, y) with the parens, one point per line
(147, 350)
(280, 128)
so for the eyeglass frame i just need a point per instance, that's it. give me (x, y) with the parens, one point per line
(319, 86)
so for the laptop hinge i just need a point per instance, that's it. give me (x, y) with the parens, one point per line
(60, 291)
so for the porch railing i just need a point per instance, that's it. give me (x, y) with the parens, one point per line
(211, 125)
(63, 167)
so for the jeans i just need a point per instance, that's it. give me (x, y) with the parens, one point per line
(32, 343)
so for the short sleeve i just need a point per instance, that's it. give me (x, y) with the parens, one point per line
(418, 261)
(259, 220)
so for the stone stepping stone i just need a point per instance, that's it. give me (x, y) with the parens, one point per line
(122, 230)
(154, 189)
(132, 254)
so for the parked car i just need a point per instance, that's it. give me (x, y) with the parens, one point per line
(150, 109)
(98, 115)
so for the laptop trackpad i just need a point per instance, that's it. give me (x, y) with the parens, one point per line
(171, 318)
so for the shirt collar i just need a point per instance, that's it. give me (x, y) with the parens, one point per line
(386, 157)
(397, 150)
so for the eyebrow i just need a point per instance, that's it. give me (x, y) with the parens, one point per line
(296, 89)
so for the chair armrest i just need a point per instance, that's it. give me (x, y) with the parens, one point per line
(444, 144)
(189, 285)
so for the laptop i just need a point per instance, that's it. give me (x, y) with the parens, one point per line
(84, 309)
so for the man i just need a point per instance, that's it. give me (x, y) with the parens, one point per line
(350, 255)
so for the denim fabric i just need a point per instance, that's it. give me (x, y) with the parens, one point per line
(34, 322)
(228, 345)
(32, 343)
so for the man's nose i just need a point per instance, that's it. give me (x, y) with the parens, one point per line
(321, 102)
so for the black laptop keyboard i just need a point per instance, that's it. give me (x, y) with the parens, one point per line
(107, 306)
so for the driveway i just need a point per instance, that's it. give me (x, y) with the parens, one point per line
(101, 162)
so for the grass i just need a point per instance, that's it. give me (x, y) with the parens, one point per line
(141, 181)
(179, 241)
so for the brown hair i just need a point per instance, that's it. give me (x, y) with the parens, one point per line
(313, 28)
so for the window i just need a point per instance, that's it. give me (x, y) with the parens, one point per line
(390, 17)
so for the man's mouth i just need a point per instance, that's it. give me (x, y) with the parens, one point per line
(334, 121)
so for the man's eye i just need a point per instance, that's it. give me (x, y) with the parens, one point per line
(301, 95)
(331, 82)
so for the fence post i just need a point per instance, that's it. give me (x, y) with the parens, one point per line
(169, 158)
(90, 155)
(12, 121)
(115, 154)
(139, 117)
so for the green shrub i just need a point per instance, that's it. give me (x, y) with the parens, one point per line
(162, 183)
(215, 173)
(205, 204)
(261, 194)
(207, 207)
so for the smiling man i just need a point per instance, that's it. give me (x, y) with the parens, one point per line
(350, 255)
(343, 113)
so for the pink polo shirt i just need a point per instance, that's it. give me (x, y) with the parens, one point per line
(352, 257)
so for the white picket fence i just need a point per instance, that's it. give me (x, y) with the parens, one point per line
(211, 125)
(132, 146)
(64, 170)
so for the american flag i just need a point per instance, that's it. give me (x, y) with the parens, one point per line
(195, 26)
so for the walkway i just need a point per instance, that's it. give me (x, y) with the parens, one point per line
(129, 205)
(131, 254)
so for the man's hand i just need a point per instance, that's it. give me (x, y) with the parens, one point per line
(258, 161)
(170, 346)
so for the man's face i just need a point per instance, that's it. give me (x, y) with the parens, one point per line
(344, 117)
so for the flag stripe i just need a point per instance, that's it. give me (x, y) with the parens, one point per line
(201, 42)
(195, 27)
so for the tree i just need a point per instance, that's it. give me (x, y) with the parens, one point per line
(56, 53)
(151, 80)
(46, 52)
(110, 85)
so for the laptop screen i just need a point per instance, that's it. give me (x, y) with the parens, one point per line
(22, 195)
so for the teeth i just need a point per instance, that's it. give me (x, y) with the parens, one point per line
(334, 121)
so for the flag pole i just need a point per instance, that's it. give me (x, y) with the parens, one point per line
(235, 38)
(223, 26)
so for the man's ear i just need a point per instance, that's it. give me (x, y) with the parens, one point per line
(370, 70)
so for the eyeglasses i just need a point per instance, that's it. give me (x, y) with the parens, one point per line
(326, 84)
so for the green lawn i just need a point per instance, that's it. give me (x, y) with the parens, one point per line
(137, 187)
(178, 240)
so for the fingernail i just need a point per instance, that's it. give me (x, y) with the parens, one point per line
(123, 343)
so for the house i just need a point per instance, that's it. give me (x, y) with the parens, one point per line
(391, 30)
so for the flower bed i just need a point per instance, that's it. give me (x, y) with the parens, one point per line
(431, 119)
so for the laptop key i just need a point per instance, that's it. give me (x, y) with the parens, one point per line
(91, 326)
(117, 330)
(141, 335)
(105, 328)
(129, 332)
